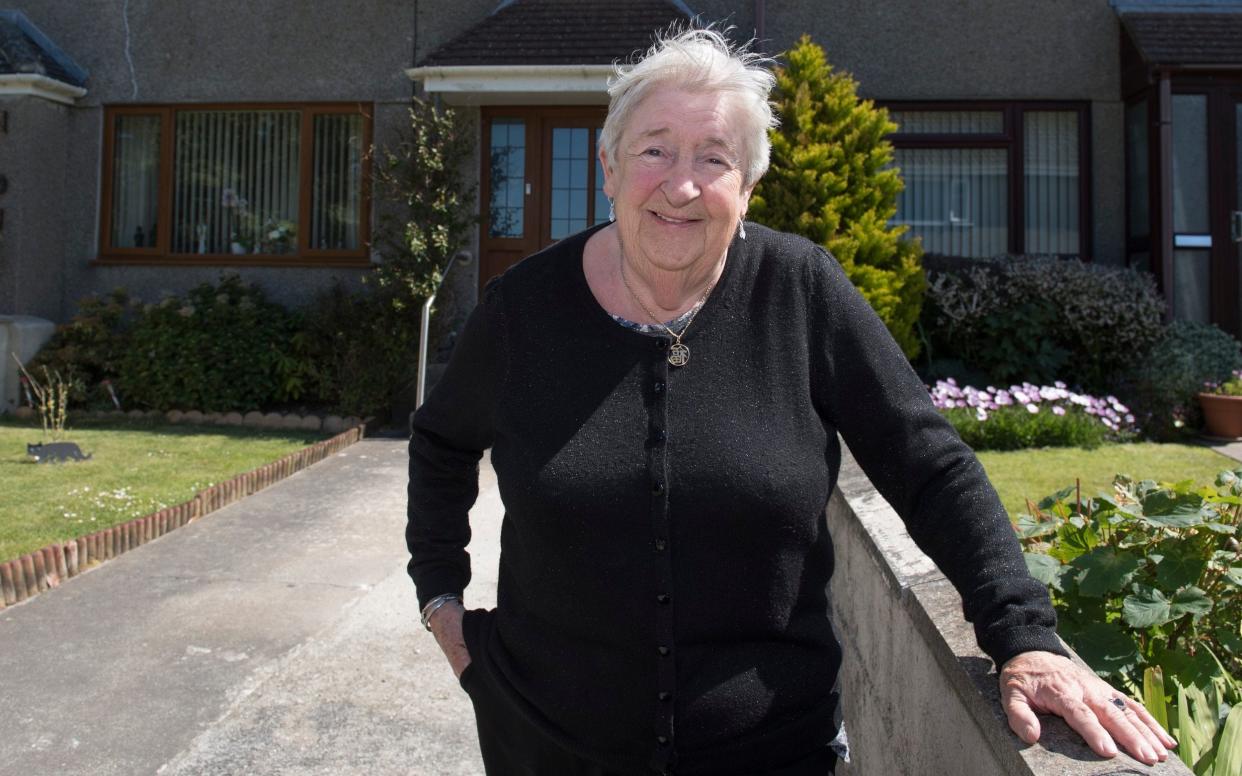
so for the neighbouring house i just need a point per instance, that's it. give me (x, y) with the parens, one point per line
(153, 145)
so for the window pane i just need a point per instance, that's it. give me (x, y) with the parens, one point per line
(1191, 290)
(1050, 172)
(507, 177)
(135, 181)
(336, 193)
(946, 122)
(235, 181)
(1190, 170)
(956, 199)
(1136, 169)
(569, 177)
(601, 199)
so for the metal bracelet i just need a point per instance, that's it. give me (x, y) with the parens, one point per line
(435, 604)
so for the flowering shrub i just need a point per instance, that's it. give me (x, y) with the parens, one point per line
(1027, 415)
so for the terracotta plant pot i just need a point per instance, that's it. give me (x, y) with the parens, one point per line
(1222, 415)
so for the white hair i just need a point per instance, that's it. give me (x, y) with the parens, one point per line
(698, 60)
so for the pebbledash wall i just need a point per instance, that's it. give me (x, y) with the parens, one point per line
(919, 696)
(181, 52)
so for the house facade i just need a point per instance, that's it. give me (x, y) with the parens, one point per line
(154, 145)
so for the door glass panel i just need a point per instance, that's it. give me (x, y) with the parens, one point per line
(1136, 169)
(956, 199)
(1050, 172)
(570, 162)
(1191, 273)
(1190, 164)
(601, 199)
(1236, 216)
(507, 174)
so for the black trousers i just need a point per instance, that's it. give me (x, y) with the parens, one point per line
(511, 746)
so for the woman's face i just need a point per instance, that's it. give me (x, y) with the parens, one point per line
(677, 179)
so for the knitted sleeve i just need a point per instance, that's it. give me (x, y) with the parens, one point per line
(866, 388)
(449, 434)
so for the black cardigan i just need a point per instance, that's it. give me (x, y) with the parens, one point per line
(664, 554)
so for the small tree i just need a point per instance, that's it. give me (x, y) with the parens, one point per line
(832, 181)
(365, 343)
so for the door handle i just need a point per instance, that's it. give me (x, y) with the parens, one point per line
(1235, 225)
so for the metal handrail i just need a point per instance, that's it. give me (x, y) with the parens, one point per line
(462, 257)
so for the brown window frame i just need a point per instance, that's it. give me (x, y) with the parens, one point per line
(1010, 139)
(303, 255)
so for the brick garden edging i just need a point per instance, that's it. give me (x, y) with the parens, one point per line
(31, 574)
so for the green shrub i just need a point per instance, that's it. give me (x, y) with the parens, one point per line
(1013, 428)
(1036, 318)
(1147, 582)
(363, 349)
(1163, 385)
(218, 348)
(832, 181)
(88, 349)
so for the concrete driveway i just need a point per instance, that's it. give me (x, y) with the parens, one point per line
(279, 635)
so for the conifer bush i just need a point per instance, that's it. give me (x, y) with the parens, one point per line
(832, 181)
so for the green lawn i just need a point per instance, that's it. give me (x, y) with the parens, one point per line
(136, 468)
(1022, 474)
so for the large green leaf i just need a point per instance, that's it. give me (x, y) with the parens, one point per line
(1179, 565)
(1105, 646)
(1044, 568)
(1229, 746)
(1029, 527)
(1105, 570)
(1145, 608)
(1175, 510)
(1190, 600)
(1074, 537)
(1196, 670)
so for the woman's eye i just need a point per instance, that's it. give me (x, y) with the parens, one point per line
(654, 152)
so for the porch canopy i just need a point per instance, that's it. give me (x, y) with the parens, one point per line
(31, 64)
(539, 52)
(1204, 38)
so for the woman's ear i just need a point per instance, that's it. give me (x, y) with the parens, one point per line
(608, 173)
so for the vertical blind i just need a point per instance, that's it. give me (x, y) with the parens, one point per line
(336, 199)
(235, 181)
(956, 199)
(1050, 173)
(135, 181)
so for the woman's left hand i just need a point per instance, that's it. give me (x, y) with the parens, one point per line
(1043, 682)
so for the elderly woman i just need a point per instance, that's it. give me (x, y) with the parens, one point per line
(662, 396)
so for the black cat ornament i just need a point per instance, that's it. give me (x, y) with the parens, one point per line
(56, 452)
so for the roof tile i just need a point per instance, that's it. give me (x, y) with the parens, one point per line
(558, 32)
(1186, 38)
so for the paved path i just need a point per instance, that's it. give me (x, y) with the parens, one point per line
(276, 636)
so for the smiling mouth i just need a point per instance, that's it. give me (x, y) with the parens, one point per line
(671, 220)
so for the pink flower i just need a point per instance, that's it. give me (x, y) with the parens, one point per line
(1031, 408)
(1058, 410)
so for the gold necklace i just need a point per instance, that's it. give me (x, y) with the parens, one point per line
(678, 354)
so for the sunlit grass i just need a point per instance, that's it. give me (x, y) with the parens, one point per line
(1032, 474)
(135, 468)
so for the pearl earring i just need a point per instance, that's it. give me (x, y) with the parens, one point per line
(612, 211)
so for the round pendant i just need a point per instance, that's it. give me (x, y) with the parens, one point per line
(678, 354)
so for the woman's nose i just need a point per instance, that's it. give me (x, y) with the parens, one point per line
(680, 187)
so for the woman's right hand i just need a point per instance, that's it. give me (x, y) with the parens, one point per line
(445, 625)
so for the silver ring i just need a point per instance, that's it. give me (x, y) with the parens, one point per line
(1118, 702)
